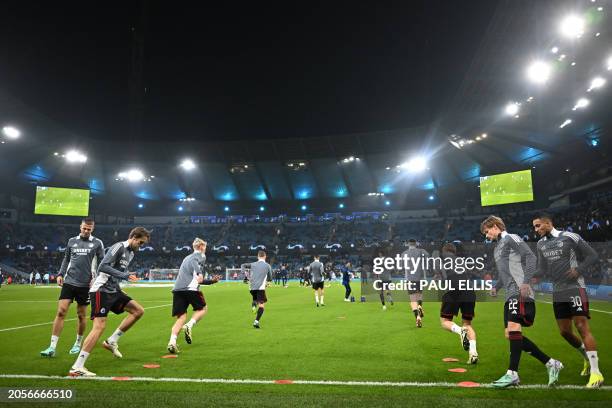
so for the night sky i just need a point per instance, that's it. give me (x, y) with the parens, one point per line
(237, 71)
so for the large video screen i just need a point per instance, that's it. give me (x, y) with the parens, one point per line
(506, 188)
(61, 201)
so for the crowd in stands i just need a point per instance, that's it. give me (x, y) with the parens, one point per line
(29, 247)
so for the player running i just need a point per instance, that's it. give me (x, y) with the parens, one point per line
(416, 295)
(187, 292)
(558, 254)
(82, 255)
(260, 273)
(106, 295)
(455, 300)
(516, 265)
(317, 275)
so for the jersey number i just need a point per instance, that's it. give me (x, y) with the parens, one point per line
(512, 303)
(576, 301)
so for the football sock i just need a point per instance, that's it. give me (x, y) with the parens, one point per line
(317, 297)
(382, 299)
(190, 323)
(80, 362)
(516, 345)
(473, 346)
(79, 339)
(454, 328)
(54, 340)
(594, 361)
(416, 313)
(582, 351)
(532, 349)
(114, 338)
(172, 339)
(259, 313)
(322, 301)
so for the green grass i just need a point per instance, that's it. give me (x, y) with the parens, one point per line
(343, 341)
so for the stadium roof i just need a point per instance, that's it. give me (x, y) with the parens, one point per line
(444, 74)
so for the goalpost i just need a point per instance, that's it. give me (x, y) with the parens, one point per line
(233, 274)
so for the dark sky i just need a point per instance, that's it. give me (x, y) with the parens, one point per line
(236, 71)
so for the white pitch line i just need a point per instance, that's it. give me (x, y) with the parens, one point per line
(298, 382)
(66, 320)
(590, 309)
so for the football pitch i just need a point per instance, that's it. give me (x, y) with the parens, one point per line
(343, 354)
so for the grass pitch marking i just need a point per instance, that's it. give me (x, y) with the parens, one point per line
(67, 320)
(293, 382)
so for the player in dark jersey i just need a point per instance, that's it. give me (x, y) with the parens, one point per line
(455, 300)
(106, 296)
(82, 255)
(558, 254)
(346, 281)
(516, 264)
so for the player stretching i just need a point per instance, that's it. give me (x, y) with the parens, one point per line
(515, 267)
(106, 295)
(74, 277)
(260, 274)
(316, 271)
(413, 254)
(455, 300)
(186, 292)
(558, 253)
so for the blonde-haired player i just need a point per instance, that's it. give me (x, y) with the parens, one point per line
(187, 292)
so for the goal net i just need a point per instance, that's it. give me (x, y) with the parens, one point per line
(162, 275)
(233, 274)
(169, 275)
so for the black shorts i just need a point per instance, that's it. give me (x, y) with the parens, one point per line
(519, 310)
(102, 303)
(259, 296)
(183, 298)
(81, 295)
(454, 301)
(318, 285)
(570, 303)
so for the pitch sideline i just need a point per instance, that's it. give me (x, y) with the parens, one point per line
(286, 382)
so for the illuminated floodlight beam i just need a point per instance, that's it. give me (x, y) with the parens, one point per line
(572, 26)
(74, 156)
(581, 104)
(131, 175)
(11, 132)
(512, 108)
(565, 123)
(416, 164)
(539, 72)
(596, 83)
(188, 164)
